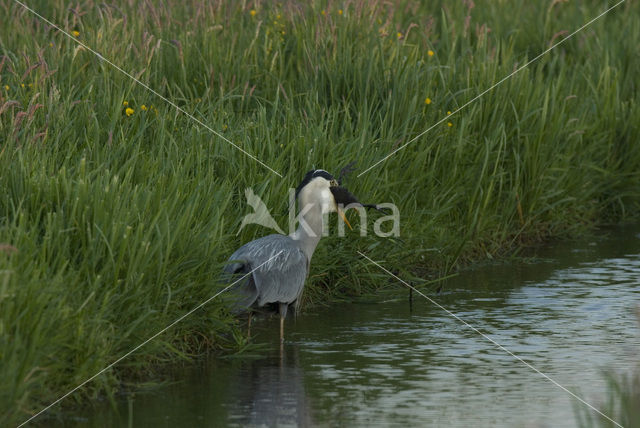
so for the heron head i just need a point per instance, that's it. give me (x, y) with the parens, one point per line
(320, 187)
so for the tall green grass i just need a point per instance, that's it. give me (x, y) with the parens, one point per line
(113, 225)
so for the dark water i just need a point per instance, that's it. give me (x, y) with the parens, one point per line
(570, 314)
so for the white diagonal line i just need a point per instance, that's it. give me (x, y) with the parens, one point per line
(147, 341)
(491, 340)
(181, 110)
(493, 86)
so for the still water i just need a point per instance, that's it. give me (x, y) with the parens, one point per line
(570, 313)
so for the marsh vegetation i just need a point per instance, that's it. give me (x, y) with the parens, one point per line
(117, 211)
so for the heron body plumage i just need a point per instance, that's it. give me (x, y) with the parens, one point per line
(279, 280)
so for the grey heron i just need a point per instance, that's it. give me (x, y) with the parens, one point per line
(281, 280)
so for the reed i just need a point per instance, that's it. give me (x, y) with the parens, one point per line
(622, 403)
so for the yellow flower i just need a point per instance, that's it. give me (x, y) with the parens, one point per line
(129, 111)
(323, 12)
(224, 127)
(75, 33)
(125, 103)
(253, 12)
(427, 100)
(278, 17)
(448, 113)
(399, 35)
(449, 124)
(339, 11)
(430, 52)
(6, 87)
(143, 107)
(22, 85)
(283, 33)
(51, 44)
(30, 85)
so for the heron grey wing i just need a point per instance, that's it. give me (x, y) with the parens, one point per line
(243, 293)
(281, 277)
(285, 281)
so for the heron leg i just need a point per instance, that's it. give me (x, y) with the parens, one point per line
(281, 329)
(283, 314)
(281, 339)
(249, 325)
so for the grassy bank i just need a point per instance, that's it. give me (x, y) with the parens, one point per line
(115, 222)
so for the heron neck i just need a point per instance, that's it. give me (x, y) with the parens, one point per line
(310, 229)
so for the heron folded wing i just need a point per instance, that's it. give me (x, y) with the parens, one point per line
(281, 273)
(243, 293)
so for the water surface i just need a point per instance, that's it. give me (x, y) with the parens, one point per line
(570, 314)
